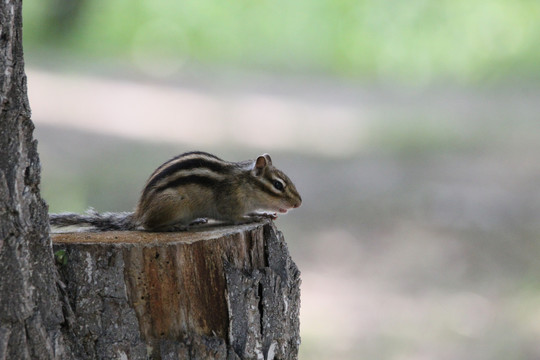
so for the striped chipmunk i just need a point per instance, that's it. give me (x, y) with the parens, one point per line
(194, 187)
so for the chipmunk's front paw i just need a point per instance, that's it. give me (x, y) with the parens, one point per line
(262, 216)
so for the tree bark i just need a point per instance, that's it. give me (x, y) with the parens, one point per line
(30, 310)
(216, 293)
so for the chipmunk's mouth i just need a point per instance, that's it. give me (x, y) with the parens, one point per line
(283, 211)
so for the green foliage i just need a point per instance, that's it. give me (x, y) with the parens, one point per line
(61, 257)
(414, 40)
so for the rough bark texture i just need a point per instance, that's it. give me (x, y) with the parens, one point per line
(30, 310)
(216, 293)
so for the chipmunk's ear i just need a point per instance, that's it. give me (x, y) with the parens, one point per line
(268, 158)
(261, 162)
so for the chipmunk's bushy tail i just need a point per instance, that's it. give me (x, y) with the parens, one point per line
(105, 221)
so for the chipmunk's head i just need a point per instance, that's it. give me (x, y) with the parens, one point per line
(278, 192)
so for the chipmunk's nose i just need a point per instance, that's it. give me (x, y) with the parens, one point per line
(298, 203)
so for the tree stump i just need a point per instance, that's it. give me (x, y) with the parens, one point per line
(218, 292)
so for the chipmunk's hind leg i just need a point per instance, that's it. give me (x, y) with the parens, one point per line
(198, 221)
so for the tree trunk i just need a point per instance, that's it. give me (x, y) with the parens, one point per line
(30, 310)
(216, 293)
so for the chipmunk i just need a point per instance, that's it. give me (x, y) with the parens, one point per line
(194, 187)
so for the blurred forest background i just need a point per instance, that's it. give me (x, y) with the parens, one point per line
(411, 129)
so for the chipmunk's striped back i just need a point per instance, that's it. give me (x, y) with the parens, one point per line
(193, 167)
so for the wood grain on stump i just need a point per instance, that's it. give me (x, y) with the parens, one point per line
(229, 292)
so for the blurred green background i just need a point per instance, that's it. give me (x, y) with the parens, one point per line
(407, 41)
(411, 129)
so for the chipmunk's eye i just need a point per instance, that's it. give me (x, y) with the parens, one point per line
(278, 185)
